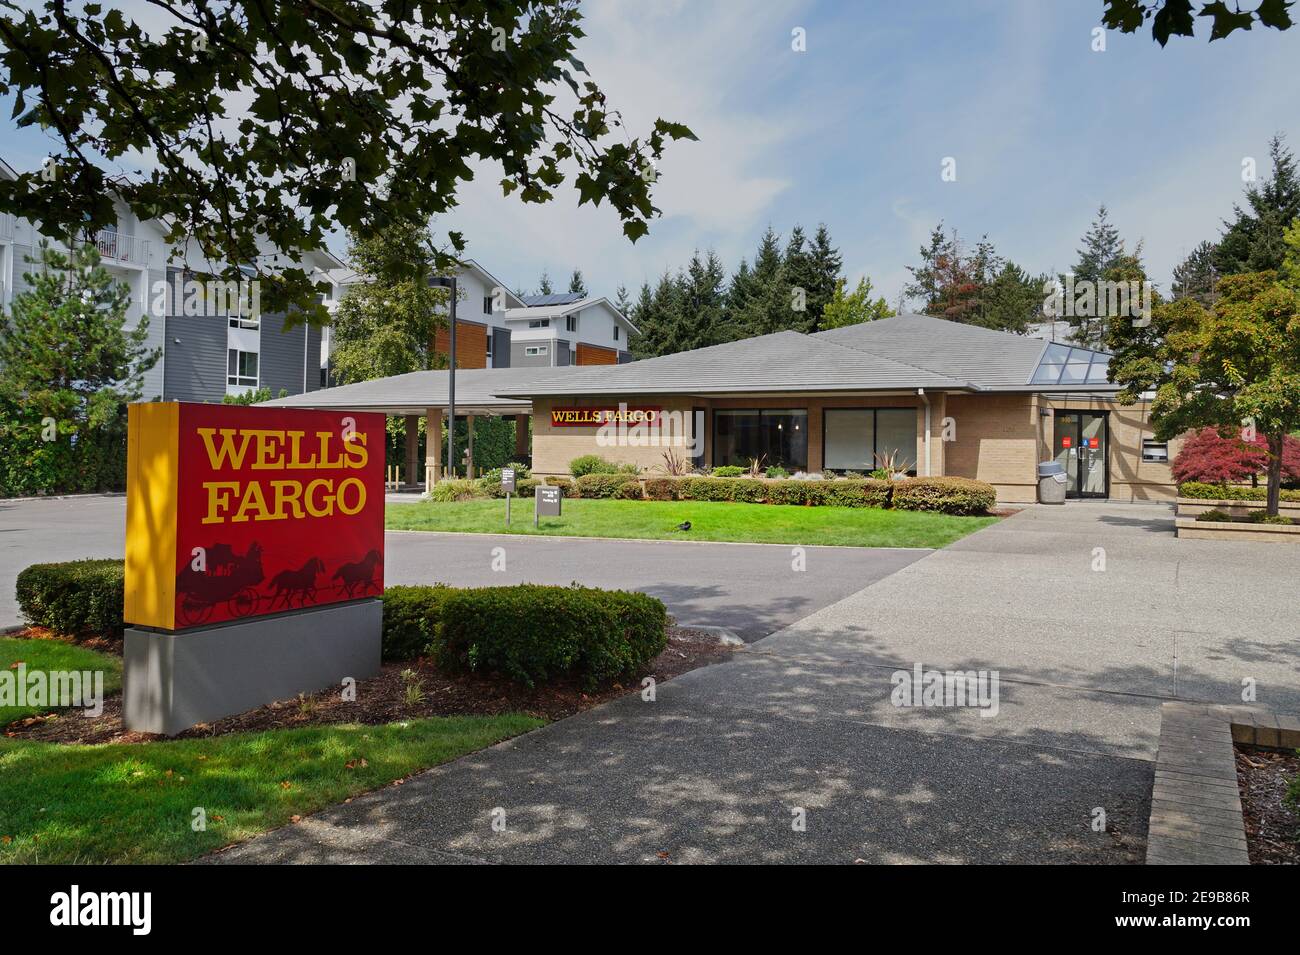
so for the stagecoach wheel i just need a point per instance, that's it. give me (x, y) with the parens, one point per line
(244, 602)
(193, 612)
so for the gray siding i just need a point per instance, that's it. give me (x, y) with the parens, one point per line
(501, 354)
(281, 357)
(195, 367)
(624, 357)
(562, 356)
(519, 360)
(313, 359)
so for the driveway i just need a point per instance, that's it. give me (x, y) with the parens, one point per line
(751, 589)
(715, 769)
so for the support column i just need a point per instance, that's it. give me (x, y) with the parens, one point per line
(521, 437)
(432, 447)
(412, 449)
(469, 461)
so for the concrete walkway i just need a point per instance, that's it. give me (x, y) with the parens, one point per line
(715, 769)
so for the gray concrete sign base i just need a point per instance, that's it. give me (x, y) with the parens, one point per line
(171, 681)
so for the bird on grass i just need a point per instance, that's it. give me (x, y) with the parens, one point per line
(684, 526)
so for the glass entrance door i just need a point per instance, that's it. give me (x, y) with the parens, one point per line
(1079, 444)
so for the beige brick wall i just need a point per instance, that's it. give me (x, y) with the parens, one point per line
(998, 439)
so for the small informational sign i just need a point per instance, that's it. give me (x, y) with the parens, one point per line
(546, 503)
(508, 480)
(1066, 441)
(1094, 442)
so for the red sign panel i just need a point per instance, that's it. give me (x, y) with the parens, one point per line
(1094, 442)
(596, 417)
(1066, 441)
(276, 509)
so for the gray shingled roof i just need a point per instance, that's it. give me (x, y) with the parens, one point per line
(476, 392)
(783, 361)
(982, 356)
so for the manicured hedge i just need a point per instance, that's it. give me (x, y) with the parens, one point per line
(604, 485)
(949, 495)
(411, 616)
(750, 490)
(863, 492)
(1231, 492)
(591, 464)
(663, 489)
(566, 485)
(532, 633)
(79, 598)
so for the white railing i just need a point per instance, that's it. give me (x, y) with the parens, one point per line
(120, 247)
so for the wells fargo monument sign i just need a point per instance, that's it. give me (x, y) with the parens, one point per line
(254, 554)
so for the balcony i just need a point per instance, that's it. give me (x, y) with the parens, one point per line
(118, 247)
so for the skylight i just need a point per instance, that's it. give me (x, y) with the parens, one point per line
(1066, 365)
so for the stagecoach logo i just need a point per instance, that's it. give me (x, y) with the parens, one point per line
(596, 417)
(73, 908)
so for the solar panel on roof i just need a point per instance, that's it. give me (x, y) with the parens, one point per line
(554, 298)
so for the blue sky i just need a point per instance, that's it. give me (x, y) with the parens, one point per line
(853, 132)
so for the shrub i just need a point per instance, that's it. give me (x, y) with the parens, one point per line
(490, 481)
(1214, 516)
(1263, 517)
(532, 633)
(797, 492)
(77, 598)
(411, 616)
(663, 489)
(1231, 492)
(591, 464)
(949, 495)
(631, 491)
(749, 490)
(728, 470)
(566, 485)
(446, 492)
(857, 492)
(1210, 457)
(604, 485)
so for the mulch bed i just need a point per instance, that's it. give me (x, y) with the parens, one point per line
(1272, 827)
(383, 699)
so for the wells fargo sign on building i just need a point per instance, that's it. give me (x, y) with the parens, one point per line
(236, 512)
(598, 416)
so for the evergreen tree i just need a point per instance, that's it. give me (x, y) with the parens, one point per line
(1012, 300)
(702, 301)
(826, 266)
(944, 281)
(1196, 276)
(1102, 248)
(646, 344)
(622, 302)
(576, 283)
(768, 301)
(70, 367)
(544, 284)
(798, 268)
(1253, 241)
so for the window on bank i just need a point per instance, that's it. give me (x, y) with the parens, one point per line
(777, 437)
(1155, 451)
(241, 367)
(853, 437)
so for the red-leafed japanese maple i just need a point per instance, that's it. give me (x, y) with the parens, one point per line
(1215, 459)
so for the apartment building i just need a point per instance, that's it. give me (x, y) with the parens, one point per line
(498, 328)
(206, 353)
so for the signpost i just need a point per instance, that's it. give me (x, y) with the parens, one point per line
(254, 557)
(546, 501)
(508, 484)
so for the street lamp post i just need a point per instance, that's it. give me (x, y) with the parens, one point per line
(449, 282)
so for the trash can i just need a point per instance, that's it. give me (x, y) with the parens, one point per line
(1051, 483)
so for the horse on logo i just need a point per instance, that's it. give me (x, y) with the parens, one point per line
(300, 583)
(360, 576)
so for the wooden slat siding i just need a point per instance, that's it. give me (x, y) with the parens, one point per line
(596, 355)
(471, 344)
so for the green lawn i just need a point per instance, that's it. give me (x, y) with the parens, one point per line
(710, 521)
(136, 803)
(53, 655)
